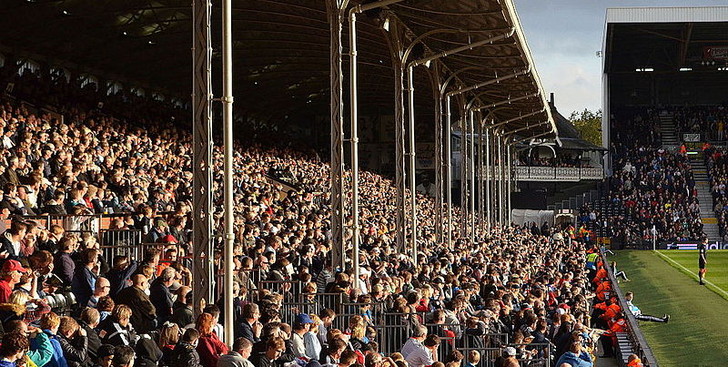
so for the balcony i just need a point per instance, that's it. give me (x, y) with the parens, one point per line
(571, 174)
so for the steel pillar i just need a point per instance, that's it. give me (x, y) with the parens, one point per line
(481, 181)
(202, 273)
(227, 102)
(335, 9)
(471, 190)
(448, 168)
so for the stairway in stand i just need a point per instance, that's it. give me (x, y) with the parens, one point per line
(668, 131)
(702, 185)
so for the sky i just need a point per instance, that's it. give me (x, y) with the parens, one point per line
(564, 37)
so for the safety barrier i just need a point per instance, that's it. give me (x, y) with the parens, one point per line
(638, 342)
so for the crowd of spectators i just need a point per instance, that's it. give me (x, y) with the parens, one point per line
(562, 160)
(717, 163)
(709, 120)
(507, 298)
(651, 193)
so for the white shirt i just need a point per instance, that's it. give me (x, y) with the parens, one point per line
(410, 345)
(420, 357)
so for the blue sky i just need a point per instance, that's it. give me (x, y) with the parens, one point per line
(564, 36)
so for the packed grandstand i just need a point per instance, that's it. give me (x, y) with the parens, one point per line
(97, 250)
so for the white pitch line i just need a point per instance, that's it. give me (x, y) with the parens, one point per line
(692, 275)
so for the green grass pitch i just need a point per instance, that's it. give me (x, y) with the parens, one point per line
(698, 329)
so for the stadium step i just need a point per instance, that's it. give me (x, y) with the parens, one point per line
(705, 199)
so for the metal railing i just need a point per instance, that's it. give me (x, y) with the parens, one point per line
(641, 347)
(538, 173)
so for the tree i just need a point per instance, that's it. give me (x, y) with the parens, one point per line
(589, 125)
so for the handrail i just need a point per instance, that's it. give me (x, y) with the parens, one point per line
(643, 348)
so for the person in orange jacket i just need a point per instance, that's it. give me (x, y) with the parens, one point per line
(634, 361)
(603, 290)
(609, 338)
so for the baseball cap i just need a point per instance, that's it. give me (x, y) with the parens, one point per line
(510, 351)
(13, 265)
(304, 319)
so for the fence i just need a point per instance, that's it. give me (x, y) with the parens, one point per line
(538, 173)
(641, 348)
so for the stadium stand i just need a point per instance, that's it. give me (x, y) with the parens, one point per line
(97, 218)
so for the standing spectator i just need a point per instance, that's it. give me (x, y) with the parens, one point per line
(209, 346)
(143, 316)
(64, 266)
(183, 313)
(119, 275)
(427, 355)
(83, 284)
(10, 240)
(160, 295)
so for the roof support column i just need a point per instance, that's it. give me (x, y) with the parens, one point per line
(203, 278)
(448, 168)
(335, 10)
(354, 120)
(227, 102)
(471, 189)
(481, 180)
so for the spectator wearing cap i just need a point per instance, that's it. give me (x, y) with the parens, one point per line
(10, 240)
(509, 358)
(157, 232)
(311, 341)
(209, 346)
(12, 272)
(300, 328)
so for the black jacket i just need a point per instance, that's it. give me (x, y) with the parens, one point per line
(74, 350)
(184, 355)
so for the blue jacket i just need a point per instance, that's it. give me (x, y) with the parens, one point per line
(7, 363)
(58, 359)
(583, 360)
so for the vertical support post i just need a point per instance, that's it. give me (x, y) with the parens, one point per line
(464, 172)
(500, 179)
(354, 110)
(471, 190)
(509, 166)
(399, 155)
(227, 102)
(202, 276)
(336, 14)
(412, 162)
(481, 178)
(488, 177)
(439, 221)
(448, 169)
